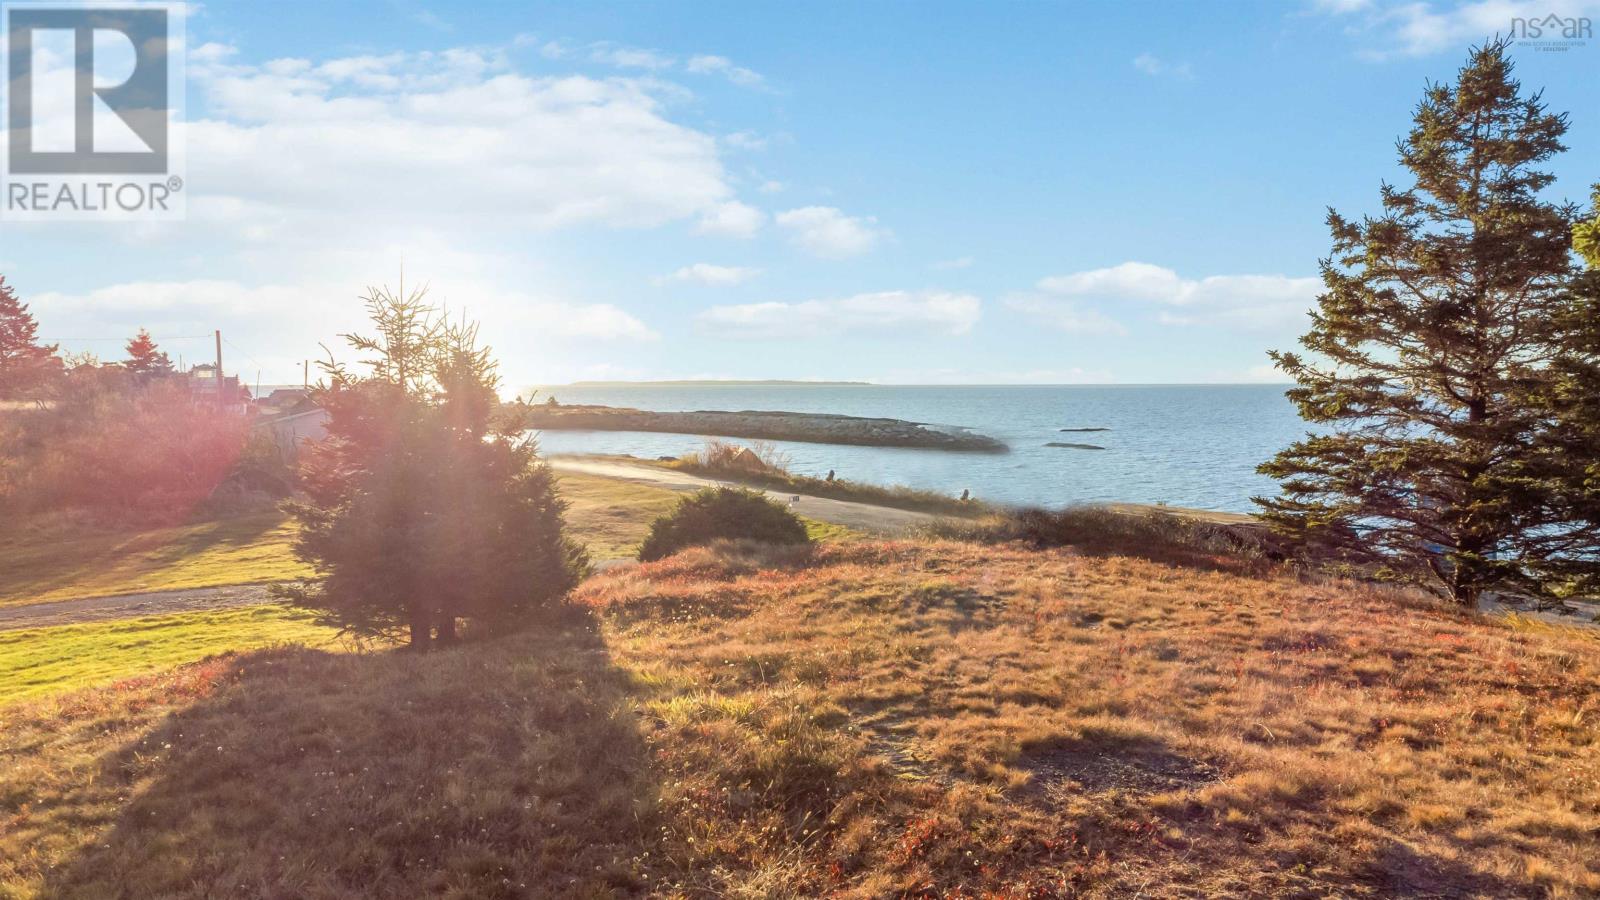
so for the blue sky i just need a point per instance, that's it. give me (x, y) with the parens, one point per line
(896, 192)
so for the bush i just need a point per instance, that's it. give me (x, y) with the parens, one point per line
(764, 466)
(724, 457)
(1103, 531)
(721, 513)
(115, 446)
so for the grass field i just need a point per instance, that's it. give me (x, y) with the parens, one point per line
(41, 661)
(62, 561)
(779, 479)
(610, 516)
(65, 562)
(867, 719)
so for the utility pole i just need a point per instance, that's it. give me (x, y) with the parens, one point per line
(305, 377)
(219, 367)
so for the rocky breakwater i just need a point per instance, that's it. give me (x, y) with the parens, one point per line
(815, 428)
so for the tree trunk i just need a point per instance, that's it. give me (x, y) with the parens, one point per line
(421, 637)
(1465, 584)
(446, 623)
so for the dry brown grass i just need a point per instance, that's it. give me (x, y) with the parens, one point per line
(1111, 725)
(864, 719)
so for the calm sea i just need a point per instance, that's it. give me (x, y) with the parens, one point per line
(1185, 445)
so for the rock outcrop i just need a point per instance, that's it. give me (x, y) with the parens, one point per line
(815, 428)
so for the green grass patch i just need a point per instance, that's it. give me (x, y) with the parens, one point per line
(777, 478)
(827, 531)
(611, 516)
(61, 562)
(41, 661)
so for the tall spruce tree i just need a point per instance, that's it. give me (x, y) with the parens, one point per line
(26, 366)
(1436, 362)
(427, 503)
(1586, 236)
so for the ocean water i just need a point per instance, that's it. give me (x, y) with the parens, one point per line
(1184, 445)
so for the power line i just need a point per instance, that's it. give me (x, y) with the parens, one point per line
(244, 352)
(58, 340)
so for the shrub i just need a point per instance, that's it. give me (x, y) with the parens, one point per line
(724, 457)
(112, 445)
(1101, 530)
(764, 466)
(722, 513)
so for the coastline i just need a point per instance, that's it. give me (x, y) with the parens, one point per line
(656, 472)
(766, 425)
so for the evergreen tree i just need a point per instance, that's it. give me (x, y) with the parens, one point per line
(1437, 359)
(145, 359)
(26, 366)
(427, 502)
(1586, 237)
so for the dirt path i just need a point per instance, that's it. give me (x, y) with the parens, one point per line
(128, 606)
(860, 516)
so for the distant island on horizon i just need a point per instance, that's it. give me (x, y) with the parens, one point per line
(702, 382)
(789, 382)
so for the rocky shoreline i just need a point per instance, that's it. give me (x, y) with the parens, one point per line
(814, 428)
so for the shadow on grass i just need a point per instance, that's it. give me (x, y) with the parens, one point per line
(217, 534)
(1398, 870)
(502, 768)
(38, 567)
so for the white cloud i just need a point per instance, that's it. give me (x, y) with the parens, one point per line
(706, 273)
(826, 232)
(745, 140)
(1266, 373)
(1131, 279)
(721, 65)
(961, 262)
(1254, 302)
(771, 187)
(1340, 7)
(884, 313)
(594, 321)
(732, 219)
(199, 297)
(1422, 29)
(429, 19)
(1065, 315)
(292, 145)
(629, 57)
(271, 328)
(1155, 66)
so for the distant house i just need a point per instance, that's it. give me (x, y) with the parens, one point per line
(290, 418)
(289, 432)
(285, 402)
(206, 383)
